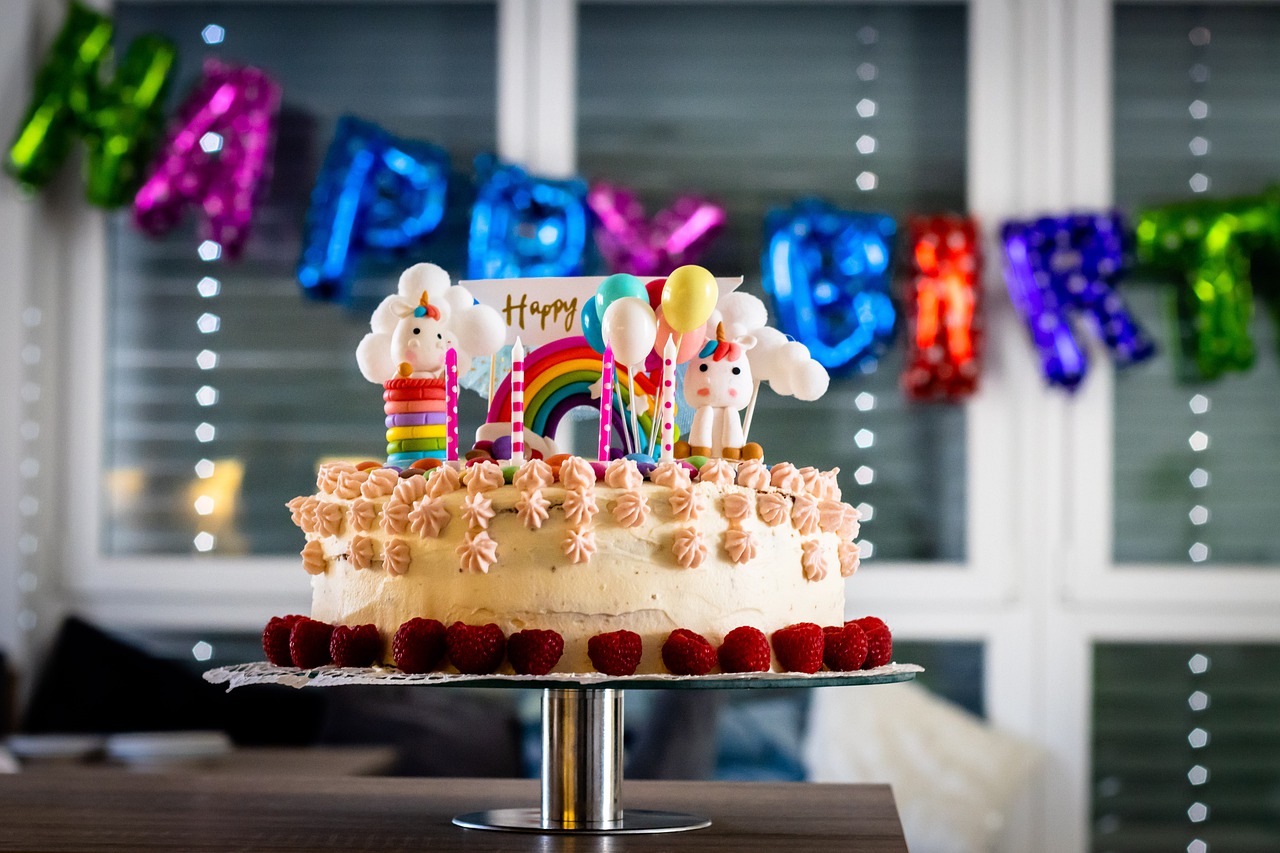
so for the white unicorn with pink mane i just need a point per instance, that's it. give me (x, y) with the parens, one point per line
(718, 384)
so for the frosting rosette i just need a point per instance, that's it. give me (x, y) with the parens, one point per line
(429, 517)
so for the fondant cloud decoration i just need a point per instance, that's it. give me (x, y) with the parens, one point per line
(414, 327)
(785, 364)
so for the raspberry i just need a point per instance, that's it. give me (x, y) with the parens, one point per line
(309, 643)
(879, 641)
(615, 653)
(799, 647)
(745, 649)
(687, 653)
(355, 646)
(275, 639)
(475, 649)
(418, 645)
(844, 647)
(533, 651)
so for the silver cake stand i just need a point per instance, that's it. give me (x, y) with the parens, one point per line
(581, 735)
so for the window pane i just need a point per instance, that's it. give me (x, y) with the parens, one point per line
(1196, 464)
(1186, 747)
(759, 105)
(282, 385)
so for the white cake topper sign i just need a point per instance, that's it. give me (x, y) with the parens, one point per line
(542, 310)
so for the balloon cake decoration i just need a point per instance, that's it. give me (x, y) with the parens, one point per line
(620, 356)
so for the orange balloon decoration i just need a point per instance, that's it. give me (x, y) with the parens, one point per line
(942, 302)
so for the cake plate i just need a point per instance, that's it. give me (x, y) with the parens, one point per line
(581, 735)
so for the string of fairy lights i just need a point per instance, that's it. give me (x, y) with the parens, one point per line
(867, 107)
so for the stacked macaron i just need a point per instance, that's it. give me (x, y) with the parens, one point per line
(415, 420)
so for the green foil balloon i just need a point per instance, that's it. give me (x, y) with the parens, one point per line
(119, 119)
(1209, 247)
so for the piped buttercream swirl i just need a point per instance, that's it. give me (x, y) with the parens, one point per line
(533, 475)
(361, 552)
(395, 517)
(307, 515)
(379, 483)
(785, 476)
(477, 552)
(443, 481)
(580, 507)
(577, 473)
(805, 515)
(329, 517)
(813, 559)
(689, 548)
(671, 474)
(579, 545)
(850, 558)
(532, 509)
(774, 508)
(831, 485)
(477, 509)
(717, 472)
(686, 504)
(753, 475)
(740, 545)
(409, 490)
(623, 474)
(429, 517)
(295, 508)
(363, 515)
(313, 557)
(483, 477)
(395, 556)
(631, 509)
(737, 506)
(349, 483)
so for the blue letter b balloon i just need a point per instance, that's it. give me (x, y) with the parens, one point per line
(828, 273)
(525, 226)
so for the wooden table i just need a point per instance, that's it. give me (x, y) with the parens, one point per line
(105, 811)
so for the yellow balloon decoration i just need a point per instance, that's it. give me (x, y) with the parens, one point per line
(689, 297)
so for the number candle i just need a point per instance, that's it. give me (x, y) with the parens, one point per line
(451, 405)
(606, 403)
(517, 403)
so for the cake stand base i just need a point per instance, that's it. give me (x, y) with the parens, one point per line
(632, 822)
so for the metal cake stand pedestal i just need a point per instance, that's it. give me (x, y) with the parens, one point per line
(581, 736)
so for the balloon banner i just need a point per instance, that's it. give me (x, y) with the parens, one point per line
(1209, 249)
(827, 271)
(374, 191)
(1057, 265)
(523, 226)
(631, 243)
(217, 154)
(118, 118)
(941, 304)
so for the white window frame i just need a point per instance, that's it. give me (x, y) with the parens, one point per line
(1038, 586)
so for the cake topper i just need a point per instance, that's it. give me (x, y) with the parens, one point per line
(718, 385)
(414, 328)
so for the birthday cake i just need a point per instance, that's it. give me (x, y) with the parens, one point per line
(690, 557)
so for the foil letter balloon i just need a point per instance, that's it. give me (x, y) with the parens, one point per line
(827, 271)
(118, 118)
(1210, 250)
(941, 305)
(217, 155)
(631, 242)
(1055, 267)
(374, 192)
(525, 226)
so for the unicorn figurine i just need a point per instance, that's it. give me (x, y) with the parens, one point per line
(718, 385)
(413, 328)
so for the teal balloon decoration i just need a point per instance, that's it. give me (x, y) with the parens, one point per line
(616, 287)
(593, 325)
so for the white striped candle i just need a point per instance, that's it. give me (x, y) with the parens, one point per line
(517, 403)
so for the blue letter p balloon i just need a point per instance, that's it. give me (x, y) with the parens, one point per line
(828, 273)
(373, 191)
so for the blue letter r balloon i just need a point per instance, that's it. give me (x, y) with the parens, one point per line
(828, 273)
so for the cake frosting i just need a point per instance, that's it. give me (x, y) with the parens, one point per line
(567, 551)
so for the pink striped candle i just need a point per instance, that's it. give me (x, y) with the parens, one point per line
(668, 399)
(451, 405)
(606, 403)
(517, 403)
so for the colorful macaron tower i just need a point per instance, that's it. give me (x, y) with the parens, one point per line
(416, 419)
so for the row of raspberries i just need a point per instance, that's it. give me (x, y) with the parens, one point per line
(422, 644)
